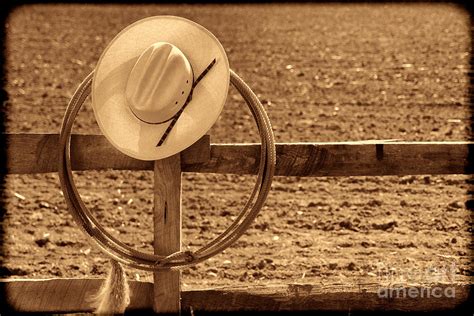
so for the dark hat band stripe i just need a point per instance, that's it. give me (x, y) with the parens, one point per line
(175, 118)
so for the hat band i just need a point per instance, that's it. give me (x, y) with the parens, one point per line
(190, 96)
(175, 117)
(171, 117)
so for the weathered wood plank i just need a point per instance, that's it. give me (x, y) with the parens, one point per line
(36, 153)
(167, 232)
(338, 298)
(64, 295)
(344, 159)
(71, 295)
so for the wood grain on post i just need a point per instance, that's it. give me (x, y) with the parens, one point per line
(167, 232)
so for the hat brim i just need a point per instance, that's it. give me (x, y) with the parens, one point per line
(120, 126)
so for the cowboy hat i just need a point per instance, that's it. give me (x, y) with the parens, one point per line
(159, 86)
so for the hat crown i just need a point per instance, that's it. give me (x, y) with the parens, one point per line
(159, 83)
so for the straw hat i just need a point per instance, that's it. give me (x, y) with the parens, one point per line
(159, 86)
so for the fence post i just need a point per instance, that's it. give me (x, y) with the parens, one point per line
(167, 232)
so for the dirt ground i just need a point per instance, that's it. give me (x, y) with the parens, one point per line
(325, 72)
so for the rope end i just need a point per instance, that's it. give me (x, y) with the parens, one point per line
(114, 295)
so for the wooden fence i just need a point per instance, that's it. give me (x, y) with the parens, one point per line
(38, 153)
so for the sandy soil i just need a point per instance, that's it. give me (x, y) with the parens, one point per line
(324, 73)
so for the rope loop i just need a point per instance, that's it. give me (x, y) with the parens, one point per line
(125, 254)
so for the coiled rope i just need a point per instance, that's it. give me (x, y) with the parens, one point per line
(122, 253)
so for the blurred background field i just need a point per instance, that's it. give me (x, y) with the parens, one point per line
(324, 72)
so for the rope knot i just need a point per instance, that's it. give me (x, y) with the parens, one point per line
(187, 255)
(190, 256)
(158, 263)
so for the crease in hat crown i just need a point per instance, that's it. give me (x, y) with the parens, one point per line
(159, 83)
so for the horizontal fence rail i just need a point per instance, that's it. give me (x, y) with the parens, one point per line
(73, 295)
(38, 153)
